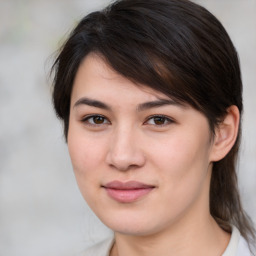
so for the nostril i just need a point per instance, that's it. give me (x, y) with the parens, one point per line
(123, 166)
(126, 162)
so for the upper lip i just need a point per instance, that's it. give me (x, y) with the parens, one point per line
(127, 185)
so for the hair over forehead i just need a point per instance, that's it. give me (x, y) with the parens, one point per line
(173, 46)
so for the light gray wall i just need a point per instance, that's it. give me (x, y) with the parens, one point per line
(41, 210)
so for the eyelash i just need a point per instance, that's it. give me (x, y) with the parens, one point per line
(167, 120)
(86, 119)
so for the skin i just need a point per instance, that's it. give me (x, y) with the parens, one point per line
(118, 139)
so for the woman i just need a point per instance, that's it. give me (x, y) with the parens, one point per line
(150, 94)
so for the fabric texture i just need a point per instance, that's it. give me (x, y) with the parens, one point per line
(237, 246)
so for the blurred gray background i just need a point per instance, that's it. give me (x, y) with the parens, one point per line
(41, 210)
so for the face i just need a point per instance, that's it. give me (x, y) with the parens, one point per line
(141, 160)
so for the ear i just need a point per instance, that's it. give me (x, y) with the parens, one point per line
(225, 134)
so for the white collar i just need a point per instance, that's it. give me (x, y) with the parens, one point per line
(233, 243)
(237, 245)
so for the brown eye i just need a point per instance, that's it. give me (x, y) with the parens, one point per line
(95, 120)
(159, 120)
(98, 119)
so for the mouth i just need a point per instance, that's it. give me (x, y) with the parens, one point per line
(127, 192)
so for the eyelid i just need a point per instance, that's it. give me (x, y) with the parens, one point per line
(167, 118)
(87, 117)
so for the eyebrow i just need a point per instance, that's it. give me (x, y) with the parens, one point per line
(92, 103)
(141, 107)
(157, 103)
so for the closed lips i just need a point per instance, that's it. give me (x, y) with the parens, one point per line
(127, 192)
(130, 185)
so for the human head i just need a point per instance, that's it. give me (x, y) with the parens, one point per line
(175, 47)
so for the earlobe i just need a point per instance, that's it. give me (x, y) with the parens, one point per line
(225, 134)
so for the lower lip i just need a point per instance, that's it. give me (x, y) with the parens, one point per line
(128, 196)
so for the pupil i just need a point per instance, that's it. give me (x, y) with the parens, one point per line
(98, 120)
(159, 120)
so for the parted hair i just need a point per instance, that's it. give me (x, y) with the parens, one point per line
(175, 47)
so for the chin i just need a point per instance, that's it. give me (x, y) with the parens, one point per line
(133, 229)
(134, 224)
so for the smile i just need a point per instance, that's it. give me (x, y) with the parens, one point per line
(127, 192)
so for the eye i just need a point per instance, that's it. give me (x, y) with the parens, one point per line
(159, 120)
(95, 120)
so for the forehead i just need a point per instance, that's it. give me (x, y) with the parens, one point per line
(96, 78)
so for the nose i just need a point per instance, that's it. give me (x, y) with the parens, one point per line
(125, 151)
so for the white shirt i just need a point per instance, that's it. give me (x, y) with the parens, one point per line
(237, 246)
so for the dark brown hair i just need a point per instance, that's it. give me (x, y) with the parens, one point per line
(175, 47)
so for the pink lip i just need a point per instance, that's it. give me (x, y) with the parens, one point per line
(127, 192)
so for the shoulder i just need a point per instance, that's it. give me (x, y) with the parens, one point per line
(237, 245)
(100, 249)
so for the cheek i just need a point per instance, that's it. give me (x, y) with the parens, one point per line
(84, 150)
(87, 156)
(179, 154)
(183, 164)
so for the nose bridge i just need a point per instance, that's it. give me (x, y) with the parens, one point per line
(124, 151)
